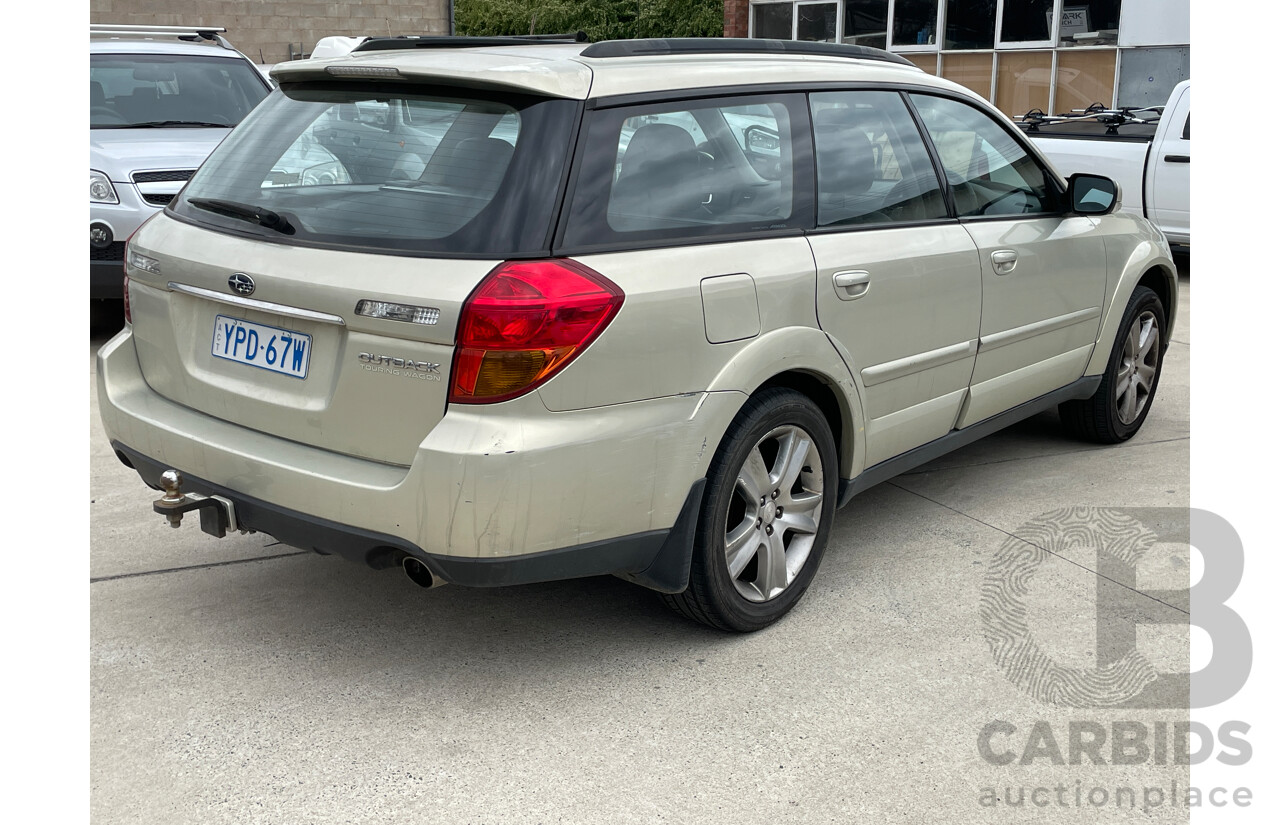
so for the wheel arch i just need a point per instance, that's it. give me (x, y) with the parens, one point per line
(834, 405)
(1145, 264)
(1163, 281)
(803, 359)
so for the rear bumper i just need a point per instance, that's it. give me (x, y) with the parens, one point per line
(607, 490)
(658, 559)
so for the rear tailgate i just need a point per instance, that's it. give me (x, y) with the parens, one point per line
(325, 196)
(362, 386)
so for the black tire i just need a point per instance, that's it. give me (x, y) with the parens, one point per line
(767, 425)
(1101, 417)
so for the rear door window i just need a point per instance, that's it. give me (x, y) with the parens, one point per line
(873, 166)
(689, 170)
(990, 173)
(361, 166)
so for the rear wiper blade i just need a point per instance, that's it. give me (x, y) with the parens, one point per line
(162, 124)
(245, 212)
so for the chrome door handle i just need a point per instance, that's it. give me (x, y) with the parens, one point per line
(852, 284)
(1004, 260)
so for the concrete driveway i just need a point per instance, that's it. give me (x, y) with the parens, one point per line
(241, 681)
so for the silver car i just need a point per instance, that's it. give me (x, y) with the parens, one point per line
(511, 312)
(160, 99)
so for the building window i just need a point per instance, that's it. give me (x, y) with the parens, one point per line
(1089, 23)
(971, 24)
(771, 21)
(866, 22)
(973, 71)
(915, 22)
(1085, 78)
(1022, 81)
(1027, 21)
(1054, 55)
(816, 22)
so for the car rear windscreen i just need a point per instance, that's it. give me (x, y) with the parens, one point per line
(389, 168)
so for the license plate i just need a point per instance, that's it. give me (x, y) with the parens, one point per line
(258, 345)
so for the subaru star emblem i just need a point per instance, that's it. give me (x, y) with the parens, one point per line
(241, 284)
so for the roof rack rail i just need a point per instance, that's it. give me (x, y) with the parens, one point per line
(377, 44)
(737, 45)
(211, 33)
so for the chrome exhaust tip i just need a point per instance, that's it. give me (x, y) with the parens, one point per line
(419, 574)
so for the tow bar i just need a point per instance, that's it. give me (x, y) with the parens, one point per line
(217, 514)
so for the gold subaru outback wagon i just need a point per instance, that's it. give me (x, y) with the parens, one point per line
(499, 311)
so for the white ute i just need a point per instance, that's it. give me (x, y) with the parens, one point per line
(1146, 151)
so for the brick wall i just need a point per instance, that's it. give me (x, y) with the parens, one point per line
(735, 18)
(263, 29)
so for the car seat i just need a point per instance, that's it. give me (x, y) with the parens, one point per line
(659, 184)
(846, 169)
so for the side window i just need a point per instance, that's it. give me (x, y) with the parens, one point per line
(989, 172)
(873, 166)
(696, 167)
(687, 169)
(1186, 128)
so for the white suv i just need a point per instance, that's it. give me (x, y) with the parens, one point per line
(160, 99)
(507, 312)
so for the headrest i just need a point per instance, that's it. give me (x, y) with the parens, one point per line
(656, 145)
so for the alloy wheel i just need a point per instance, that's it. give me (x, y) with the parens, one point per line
(774, 513)
(1136, 373)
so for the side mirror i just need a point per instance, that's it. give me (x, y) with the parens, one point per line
(761, 140)
(1092, 194)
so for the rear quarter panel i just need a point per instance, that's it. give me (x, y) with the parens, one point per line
(661, 342)
(658, 344)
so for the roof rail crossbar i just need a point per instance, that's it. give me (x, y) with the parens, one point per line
(377, 44)
(737, 45)
(129, 28)
(211, 33)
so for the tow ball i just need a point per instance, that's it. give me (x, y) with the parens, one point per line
(217, 514)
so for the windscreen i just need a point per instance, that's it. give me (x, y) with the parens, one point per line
(389, 168)
(131, 91)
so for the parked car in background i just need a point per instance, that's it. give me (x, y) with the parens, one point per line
(516, 312)
(160, 99)
(1146, 151)
(335, 46)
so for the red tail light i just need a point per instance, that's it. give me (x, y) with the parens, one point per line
(524, 323)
